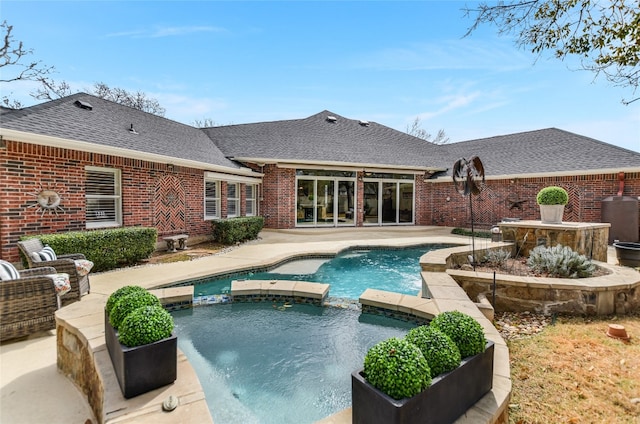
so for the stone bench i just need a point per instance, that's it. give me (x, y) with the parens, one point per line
(171, 242)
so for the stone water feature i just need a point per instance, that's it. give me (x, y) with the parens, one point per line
(586, 238)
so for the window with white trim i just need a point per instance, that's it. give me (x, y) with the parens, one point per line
(103, 197)
(250, 198)
(211, 199)
(233, 200)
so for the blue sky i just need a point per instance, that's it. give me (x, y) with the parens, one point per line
(236, 62)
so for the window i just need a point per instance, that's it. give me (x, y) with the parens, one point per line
(251, 200)
(211, 199)
(233, 200)
(103, 197)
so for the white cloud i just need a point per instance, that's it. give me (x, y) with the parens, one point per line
(159, 32)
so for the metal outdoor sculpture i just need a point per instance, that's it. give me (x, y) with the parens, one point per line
(465, 176)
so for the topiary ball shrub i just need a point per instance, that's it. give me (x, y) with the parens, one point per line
(145, 325)
(129, 303)
(119, 294)
(466, 332)
(397, 368)
(552, 195)
(438, 349)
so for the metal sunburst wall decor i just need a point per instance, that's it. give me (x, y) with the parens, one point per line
(47, 199)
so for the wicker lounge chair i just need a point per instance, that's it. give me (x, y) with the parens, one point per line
(28, 304)
(64, 263)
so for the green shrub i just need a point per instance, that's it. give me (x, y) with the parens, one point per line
(397, 368)
(438, 349)
(119, 294)
(466, 332)
(237, 230)
(129, 303)
(107, 249)
(560, 261)
(552, 195)
(463, 232)
(145, 325)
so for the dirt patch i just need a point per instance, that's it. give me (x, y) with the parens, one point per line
(572, 372)
(191, 253)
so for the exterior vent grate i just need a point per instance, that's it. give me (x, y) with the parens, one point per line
(332, 119)
(83, 105)
(364, 123)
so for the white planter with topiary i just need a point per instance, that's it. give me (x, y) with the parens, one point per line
(552, 201)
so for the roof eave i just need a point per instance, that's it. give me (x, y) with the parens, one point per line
(45, 140)
(357, 166)
(597, 171)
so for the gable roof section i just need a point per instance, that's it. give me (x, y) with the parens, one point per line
(319, 139)
(543, 152)
(107, 124)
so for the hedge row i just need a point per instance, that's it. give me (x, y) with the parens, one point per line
(107, 249)
(237, 230)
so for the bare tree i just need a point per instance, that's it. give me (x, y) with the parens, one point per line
(137, 100)
(51, 90)
(15, 65)
(204, 123)
(604, 35)
(416, 130)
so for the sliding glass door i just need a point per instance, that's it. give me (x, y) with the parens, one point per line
(388, 202)
(325, 200)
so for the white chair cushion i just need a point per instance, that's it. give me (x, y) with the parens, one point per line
(83, 266)
(47, 254)
(8, 271)
(61, 283)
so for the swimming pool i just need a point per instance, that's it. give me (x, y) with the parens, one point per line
(260, 364)
(349, 274)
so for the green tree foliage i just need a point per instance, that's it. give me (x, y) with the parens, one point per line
(603, 34)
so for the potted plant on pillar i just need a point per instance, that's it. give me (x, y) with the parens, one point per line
(552, 200)
(396, 384)
(140, 340)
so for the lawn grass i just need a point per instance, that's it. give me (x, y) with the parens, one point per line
(572, 372)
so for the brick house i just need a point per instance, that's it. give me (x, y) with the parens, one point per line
(82, 162)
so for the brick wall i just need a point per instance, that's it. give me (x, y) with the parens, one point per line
(26, 169)
(438, 203)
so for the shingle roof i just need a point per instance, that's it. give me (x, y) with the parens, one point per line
(316, 139)
(108, 124)
(320, 139)
(542, 151)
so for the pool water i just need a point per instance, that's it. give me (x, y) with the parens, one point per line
(260, 364)
(349, 273)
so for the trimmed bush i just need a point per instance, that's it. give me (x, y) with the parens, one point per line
(397, 368)
(560, 261)
(466, 332)
(119, 294)
(552, 195)
(107, 249)
(237, 230)
(438, 349)
(463, 232)
(145, 325)
(129, 303)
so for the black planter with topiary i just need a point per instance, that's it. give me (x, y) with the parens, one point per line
(391, 364)
(140, 342)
